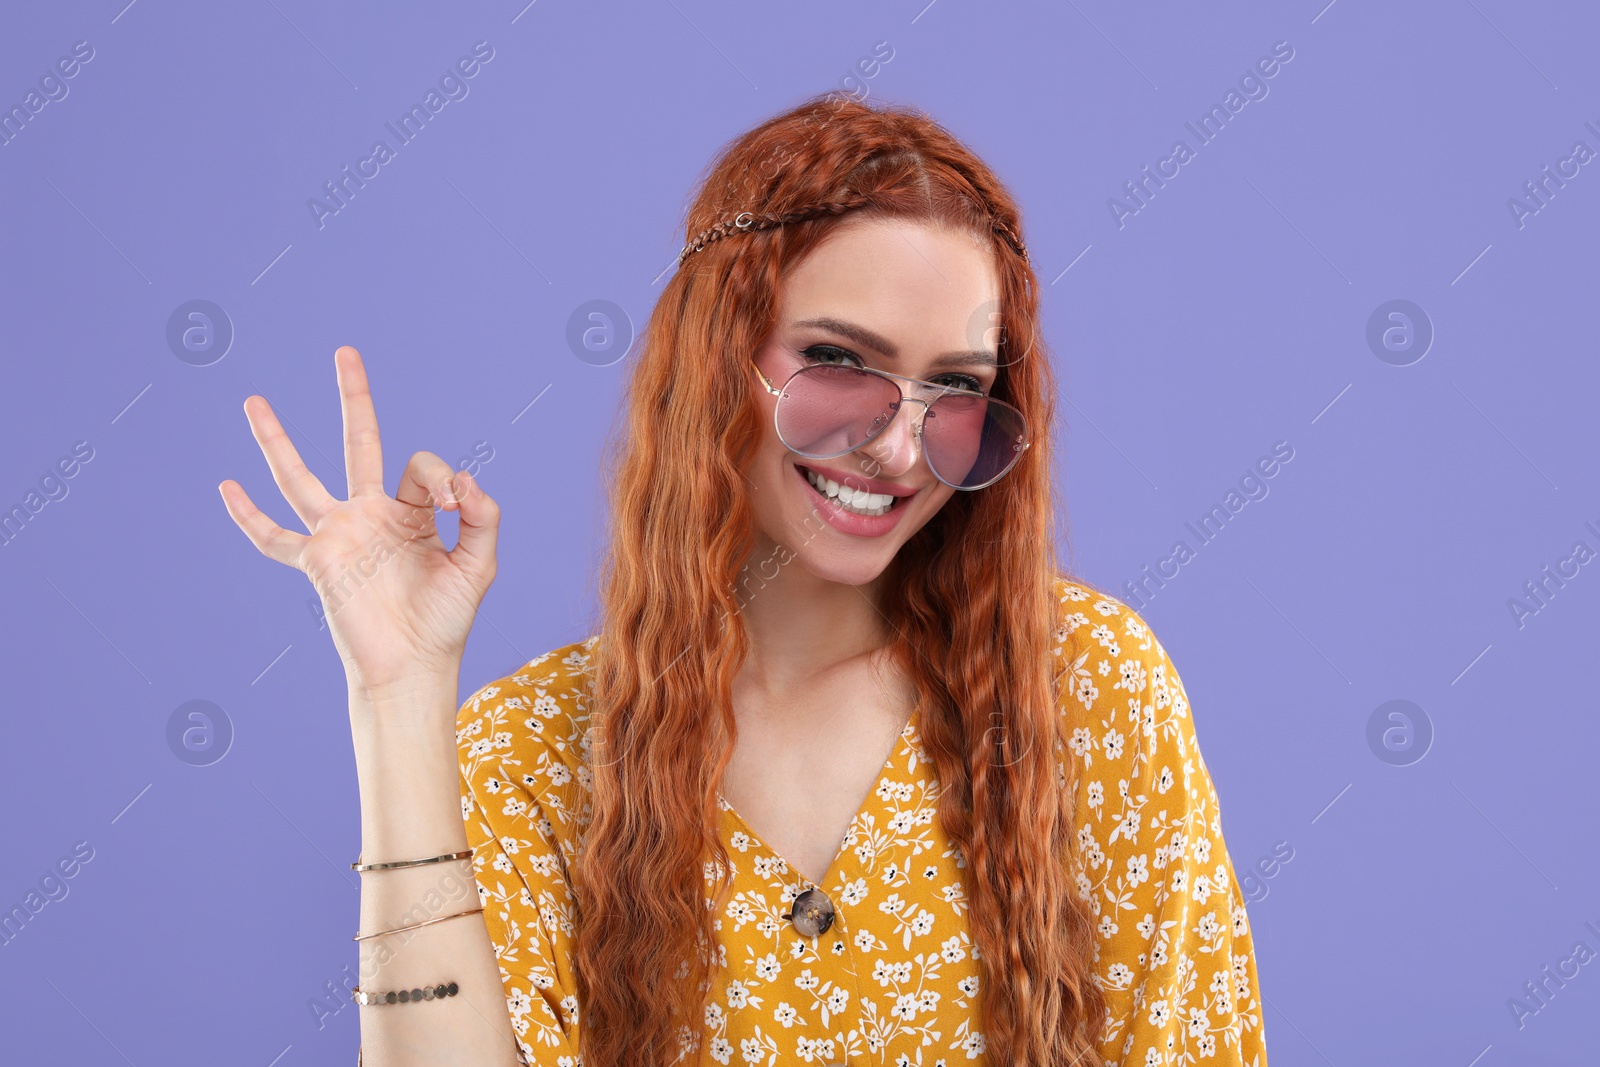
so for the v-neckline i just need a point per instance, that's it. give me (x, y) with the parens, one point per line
(861, 809)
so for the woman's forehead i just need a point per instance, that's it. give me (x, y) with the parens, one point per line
(895, 277)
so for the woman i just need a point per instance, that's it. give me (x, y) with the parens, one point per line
(851, 773)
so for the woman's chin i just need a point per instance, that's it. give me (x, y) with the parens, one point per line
(844, 567)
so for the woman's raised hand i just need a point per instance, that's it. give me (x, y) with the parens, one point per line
(398, 605)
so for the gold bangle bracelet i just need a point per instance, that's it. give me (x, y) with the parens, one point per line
(416, 926)
(359, 866)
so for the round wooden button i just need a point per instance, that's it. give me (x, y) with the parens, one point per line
(812, 913)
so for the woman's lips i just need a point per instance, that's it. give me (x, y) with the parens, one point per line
(851, 522)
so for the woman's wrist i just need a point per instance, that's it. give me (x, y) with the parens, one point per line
(416, 696)
(408, 771)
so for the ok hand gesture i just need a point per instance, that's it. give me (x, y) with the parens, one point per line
(398, 605)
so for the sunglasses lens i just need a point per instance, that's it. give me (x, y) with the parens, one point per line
(971, 441)
(827, 410)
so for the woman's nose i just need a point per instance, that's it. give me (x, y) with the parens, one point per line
(896, 450)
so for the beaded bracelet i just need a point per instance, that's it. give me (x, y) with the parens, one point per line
(432, 992)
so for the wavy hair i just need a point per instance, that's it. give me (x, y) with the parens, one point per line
(969, 596)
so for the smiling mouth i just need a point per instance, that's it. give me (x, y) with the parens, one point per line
(854, 501)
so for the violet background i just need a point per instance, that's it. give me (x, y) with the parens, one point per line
(1230, 313)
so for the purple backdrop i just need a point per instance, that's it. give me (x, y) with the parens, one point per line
(1378, 259)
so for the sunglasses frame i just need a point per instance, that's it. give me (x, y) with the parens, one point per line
(896, 379)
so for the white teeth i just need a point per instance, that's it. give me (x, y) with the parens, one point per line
(855, 500)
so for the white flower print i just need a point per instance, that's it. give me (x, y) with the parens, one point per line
(1087, 691)
(1111, 744)
(1133, 676)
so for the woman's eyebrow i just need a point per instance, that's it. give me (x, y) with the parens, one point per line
(883, 346)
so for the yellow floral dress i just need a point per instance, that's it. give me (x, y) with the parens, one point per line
(895, 978)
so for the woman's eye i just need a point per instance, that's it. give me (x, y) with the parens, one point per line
(961, 381)
(820, 353)
(831, 353)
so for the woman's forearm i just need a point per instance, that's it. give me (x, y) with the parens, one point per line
(406, 764)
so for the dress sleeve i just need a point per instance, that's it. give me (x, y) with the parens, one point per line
(1175, 959)
(518, 861)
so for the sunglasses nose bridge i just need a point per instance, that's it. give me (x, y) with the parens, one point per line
(916, 420)
(875, 445)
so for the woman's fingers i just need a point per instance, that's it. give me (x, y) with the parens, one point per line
(430, 482)
(273, 540)
(299, 486)
(480, 521)
(363, 454)
(426, 482)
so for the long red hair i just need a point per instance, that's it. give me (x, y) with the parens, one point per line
(969, 596)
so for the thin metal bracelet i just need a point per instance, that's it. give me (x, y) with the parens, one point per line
(416, 926)
(433, 992)
(359, 866)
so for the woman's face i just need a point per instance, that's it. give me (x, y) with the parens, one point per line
(898, 296)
